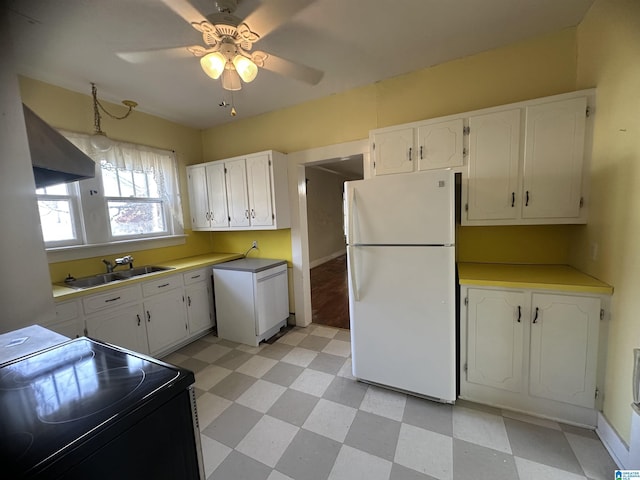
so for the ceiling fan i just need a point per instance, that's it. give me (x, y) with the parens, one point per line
(228, 41)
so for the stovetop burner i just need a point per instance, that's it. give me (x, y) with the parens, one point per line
(50, 400)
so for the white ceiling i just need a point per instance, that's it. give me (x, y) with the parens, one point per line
(71, 43)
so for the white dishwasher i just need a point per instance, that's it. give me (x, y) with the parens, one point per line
(252, 299)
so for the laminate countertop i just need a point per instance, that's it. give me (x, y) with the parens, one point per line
(61, 292)
(544, 277)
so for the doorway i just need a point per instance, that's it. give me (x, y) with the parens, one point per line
(324, 183)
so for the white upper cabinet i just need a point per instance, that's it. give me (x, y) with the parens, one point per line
(393, 151)
(198, 200)
(241, 193)
(207, 197)
(553, 158)
(440, 145)
(494, 152)
(532, 171)
(237, 197)
(422, 146)
(217, 193)
(259, 186)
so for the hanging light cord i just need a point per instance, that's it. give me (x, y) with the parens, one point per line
(96, 103)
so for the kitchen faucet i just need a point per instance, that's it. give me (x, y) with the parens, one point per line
(118, 261)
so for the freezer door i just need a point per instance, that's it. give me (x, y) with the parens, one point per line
(411, 209)
(402, 308)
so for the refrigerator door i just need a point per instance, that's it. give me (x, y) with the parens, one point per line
(402, 308)
(411, 209)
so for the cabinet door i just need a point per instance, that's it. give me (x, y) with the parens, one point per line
(217, 194)
(237, 193)
(564, 348)
(124, 327)
(494, 152)
(393, 152)
(199, 307)
(198, 200)
(553, 158)
(440, 145)
(495, 327)
(272, 299)
(166, 320)
(260, 194)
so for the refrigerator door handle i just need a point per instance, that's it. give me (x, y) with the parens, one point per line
(351, 237)
(353, 275)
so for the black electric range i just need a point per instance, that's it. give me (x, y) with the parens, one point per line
(66, 410)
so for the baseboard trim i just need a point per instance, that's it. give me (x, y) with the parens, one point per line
(612, 442)
(326, 259)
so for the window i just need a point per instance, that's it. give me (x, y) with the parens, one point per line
(134, 195)
(59, 214)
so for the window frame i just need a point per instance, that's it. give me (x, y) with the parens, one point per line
(75, 210)
(90, 207)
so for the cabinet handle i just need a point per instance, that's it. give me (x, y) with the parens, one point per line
(207, 216)
(519, 313)
(163, 285)
(513, 199)
(526, 203)
(189, 300)
(195, 276)
(535, 317)
(253, 213)
(246, 214)
(112, 299)
(138, 316)
(410, 153)
(148, 316)
(421, 157)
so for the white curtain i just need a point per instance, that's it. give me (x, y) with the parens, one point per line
(140, 158)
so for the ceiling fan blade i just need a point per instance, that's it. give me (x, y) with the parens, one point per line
(290, 69)
(184, 9)
(273, 13)
(155, 55)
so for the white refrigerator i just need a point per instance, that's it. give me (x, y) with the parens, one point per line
(400, 232)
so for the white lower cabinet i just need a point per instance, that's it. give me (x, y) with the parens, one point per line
(124, 327)
(69, 320)
(153, 317)
(199, 307)
(531, 351)
(166, 320)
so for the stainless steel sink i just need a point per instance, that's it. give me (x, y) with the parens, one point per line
(103, 279)
(136, 271)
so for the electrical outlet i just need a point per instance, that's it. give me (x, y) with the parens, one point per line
(254, 244)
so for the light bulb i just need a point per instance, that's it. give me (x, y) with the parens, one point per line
(231, 80)
(245, 68)
(213, 64)
(100, 142)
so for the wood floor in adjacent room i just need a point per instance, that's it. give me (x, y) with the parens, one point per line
(330, 293)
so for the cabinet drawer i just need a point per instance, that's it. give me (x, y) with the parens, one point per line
(163, 284)
(196, 276)
(111, 299)
(67, 311)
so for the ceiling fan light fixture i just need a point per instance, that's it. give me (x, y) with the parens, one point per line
(245, 68)
(231, 80)
(213, 64)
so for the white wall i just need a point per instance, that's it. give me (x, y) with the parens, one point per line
(25, 293)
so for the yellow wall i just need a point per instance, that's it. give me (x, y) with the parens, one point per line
(609, 58)
(68, 110)
(534, 68)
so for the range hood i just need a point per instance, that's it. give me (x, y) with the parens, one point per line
(54, 158)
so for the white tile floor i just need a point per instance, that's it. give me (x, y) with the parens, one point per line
(292, 410)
